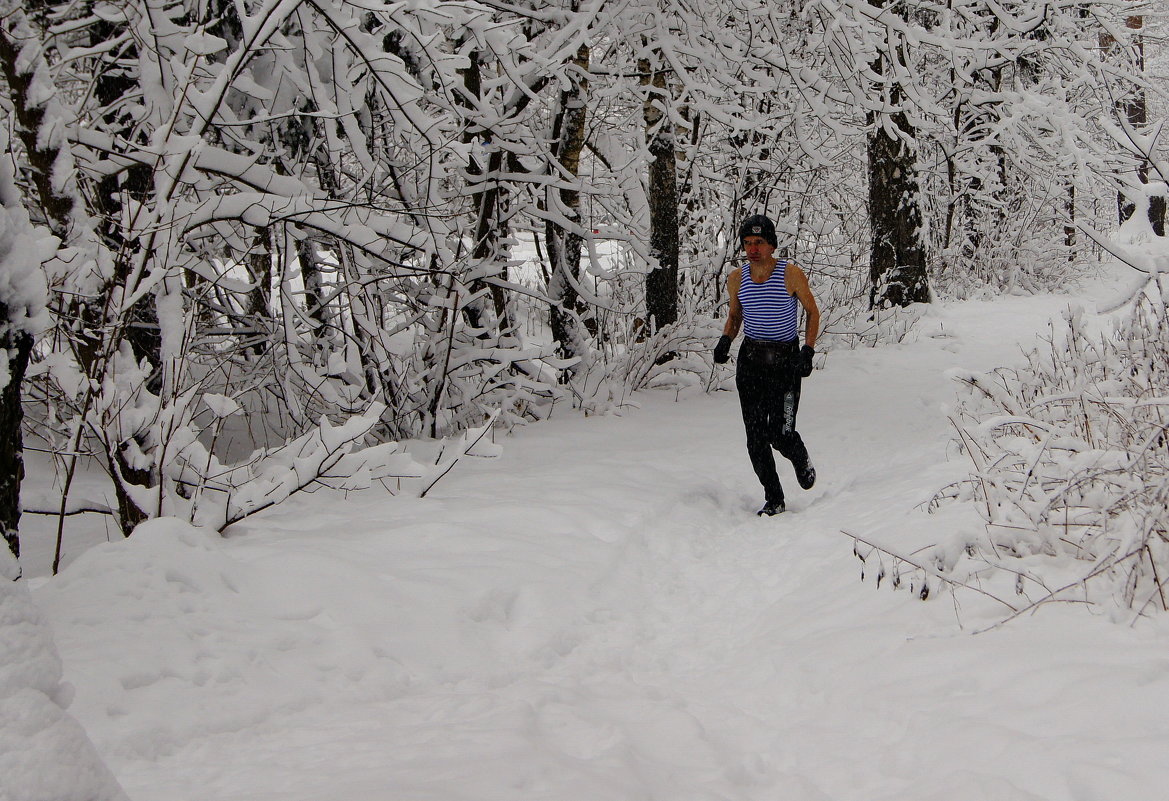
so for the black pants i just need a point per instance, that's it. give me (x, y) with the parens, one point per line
(769, 393)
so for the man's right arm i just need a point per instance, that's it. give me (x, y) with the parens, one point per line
(722, 351)
(735, 311)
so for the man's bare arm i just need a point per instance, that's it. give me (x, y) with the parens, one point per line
(798, 286)
(735, 312)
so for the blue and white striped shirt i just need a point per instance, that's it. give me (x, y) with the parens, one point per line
(769, 312)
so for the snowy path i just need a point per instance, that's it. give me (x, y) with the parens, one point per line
(598, 616)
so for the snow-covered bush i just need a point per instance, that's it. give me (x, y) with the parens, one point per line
(1071, 463)
(282, 265)
(198, 488)
(863, 327)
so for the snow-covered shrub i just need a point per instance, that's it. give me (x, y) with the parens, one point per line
(283, 266)
(197, 487)
(864, 327)
(668, 358)
(1071, 462)
(1005, 239)
(209, 493)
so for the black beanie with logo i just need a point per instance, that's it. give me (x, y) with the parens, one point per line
(758, 225)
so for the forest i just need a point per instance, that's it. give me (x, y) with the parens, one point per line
(260, 248)
(251, 247)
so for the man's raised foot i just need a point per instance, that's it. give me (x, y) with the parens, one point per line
(805, 474)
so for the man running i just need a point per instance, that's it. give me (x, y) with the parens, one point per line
(764, 294)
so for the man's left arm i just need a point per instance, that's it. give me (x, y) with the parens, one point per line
(803, 293)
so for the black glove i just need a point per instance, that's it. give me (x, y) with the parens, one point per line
(804, 366)
(722, 351)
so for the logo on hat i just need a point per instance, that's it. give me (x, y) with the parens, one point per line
(756, 229)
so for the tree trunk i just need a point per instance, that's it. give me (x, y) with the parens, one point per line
(897, 258)
(564, 244)
(488, 198)
(1135, 111)
(490, 231)
(258, 312)
(59, 209)
(661, 285)
(315, 292)
(139, 325)
(897, 265)
(19, 347)
(113, 82)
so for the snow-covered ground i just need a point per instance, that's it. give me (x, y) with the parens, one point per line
(597, 615)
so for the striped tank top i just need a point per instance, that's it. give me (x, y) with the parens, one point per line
(769, 312)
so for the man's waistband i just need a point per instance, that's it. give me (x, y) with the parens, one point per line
(774, 344)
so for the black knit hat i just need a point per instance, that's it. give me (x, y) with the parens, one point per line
(758, 225)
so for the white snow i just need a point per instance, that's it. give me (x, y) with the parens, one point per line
(221, 405)
(44, 754)
(597, 614)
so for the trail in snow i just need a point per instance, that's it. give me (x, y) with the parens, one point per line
(597, 614)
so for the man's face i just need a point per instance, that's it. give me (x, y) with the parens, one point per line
(758, 249)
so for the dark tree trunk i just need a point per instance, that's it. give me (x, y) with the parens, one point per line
(897, 265)
(58, 207)
(259, 299)
(315, 297)
(19, 348)
(140, 326)
(490, 231)
(113, 82)
(897, 259)
(661, 285)
(1136, 111)
(564, 245)
(59, 211)
(488, 198)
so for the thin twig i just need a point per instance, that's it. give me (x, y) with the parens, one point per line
(929, 571)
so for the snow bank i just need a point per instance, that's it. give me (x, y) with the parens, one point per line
(44, 754)
(175, 620)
